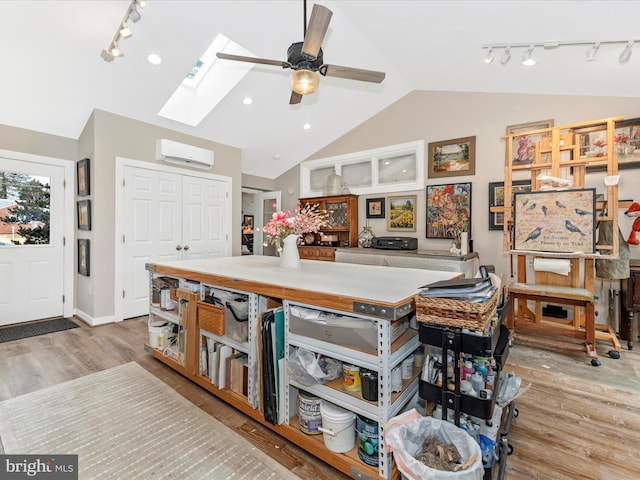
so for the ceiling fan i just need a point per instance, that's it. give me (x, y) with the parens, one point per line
(305, 58)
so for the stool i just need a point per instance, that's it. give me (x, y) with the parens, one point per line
(578, 297)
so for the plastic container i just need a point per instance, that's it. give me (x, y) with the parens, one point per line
(367, 432)
(309, 413)
(338, 429)
(159, 335)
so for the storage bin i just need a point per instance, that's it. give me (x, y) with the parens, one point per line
(235, 308)
(360, 333)
(456, 313)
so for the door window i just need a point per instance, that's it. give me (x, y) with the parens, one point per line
(25, 208)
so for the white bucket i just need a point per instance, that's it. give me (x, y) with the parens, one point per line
(338, 429)
(158, 335)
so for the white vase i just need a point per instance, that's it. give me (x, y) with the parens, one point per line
(289, 257)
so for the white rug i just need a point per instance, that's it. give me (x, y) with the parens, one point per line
(124, 423)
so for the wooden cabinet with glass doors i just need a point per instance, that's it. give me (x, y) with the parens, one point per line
(341, 229)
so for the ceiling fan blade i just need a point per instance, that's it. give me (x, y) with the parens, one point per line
(263, 61)
(295, 98)
(318, 24)
(352, 73)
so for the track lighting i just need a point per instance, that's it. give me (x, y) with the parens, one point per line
(592, 52)
(527, 58)
(626, 53)
(506, 56)
(132, 14)
(489, 58)
(527, 55)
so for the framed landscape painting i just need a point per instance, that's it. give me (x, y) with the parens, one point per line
(402, 213)
(452, 158)
(448, 210)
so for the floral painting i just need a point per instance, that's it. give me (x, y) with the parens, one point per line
(448, 210)
(402, 213)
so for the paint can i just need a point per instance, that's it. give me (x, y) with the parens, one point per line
(309, 413)
(367, 433)
(351, 378)
(369, 380)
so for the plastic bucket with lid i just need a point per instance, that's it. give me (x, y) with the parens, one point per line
(338, 429)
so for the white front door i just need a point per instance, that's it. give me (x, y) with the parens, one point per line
(32, 277)
(167, 216)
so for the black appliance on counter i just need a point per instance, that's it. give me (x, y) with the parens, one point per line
(395, 243)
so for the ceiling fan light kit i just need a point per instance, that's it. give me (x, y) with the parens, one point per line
(527, 55)
(306, 61)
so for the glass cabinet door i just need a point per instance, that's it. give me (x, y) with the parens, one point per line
(337, 215)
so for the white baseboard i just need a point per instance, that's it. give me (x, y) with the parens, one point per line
(94, 322)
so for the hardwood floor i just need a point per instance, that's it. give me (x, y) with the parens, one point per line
(575, 421)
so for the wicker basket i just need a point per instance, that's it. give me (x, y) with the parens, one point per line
(456, 313)
(211, 318)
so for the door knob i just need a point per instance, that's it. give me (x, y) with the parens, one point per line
(178, 247)
(186, 247)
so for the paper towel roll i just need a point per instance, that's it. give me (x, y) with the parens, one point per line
(464, 243)
(555, 265)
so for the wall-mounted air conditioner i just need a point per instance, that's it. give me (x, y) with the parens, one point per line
(183, 154)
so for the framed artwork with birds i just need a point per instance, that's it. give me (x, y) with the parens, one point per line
(560, 221)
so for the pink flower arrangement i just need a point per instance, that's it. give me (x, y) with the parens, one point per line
(621, 138)
(600, 142)
(298, 221)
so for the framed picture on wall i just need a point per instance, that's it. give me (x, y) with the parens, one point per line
(402, 213)
(626, 144)
(83, 257)
(375, 207)
(452, 158)
(523, 147)
(84, 215)
(247, 223)
(496, 199)
(448, 210)
(82, 171)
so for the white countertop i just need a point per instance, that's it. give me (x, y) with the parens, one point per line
(384, 284)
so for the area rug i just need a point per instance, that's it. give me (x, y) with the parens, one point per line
(125, 423)
(16, 332)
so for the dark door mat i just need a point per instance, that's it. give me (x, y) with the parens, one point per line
(16, 332)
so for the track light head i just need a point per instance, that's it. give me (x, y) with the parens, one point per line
(489, 57)
(592, 52)
(527, 57)
(134, 15)
(125, 32)
(506, 56)
(626, 53)
(106, 55)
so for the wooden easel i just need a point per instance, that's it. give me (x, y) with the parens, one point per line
(558, 154)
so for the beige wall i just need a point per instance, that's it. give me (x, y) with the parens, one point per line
(434, 116)
(105, 137)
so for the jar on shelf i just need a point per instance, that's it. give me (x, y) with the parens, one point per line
(366, 236)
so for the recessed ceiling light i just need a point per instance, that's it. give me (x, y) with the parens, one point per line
(154, 59)
(247, 101)
(306, 126)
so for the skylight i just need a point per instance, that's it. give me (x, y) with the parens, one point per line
(207, 83)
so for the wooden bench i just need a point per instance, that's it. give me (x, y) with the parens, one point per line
(521, 317)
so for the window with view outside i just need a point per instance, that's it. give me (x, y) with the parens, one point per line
(25, 202)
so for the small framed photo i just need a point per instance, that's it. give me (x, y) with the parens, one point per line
(375, 207)
(523, 147)
(82, 170)
(247, 223)
(84, 215)
(402, 213)
(496, 199)
(452, 158)
(83, 257)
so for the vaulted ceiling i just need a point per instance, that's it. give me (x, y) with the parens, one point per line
(52, 75)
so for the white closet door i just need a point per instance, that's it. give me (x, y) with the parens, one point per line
(168, 216)
(32, 276)
(204, 203)
(152, 231)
